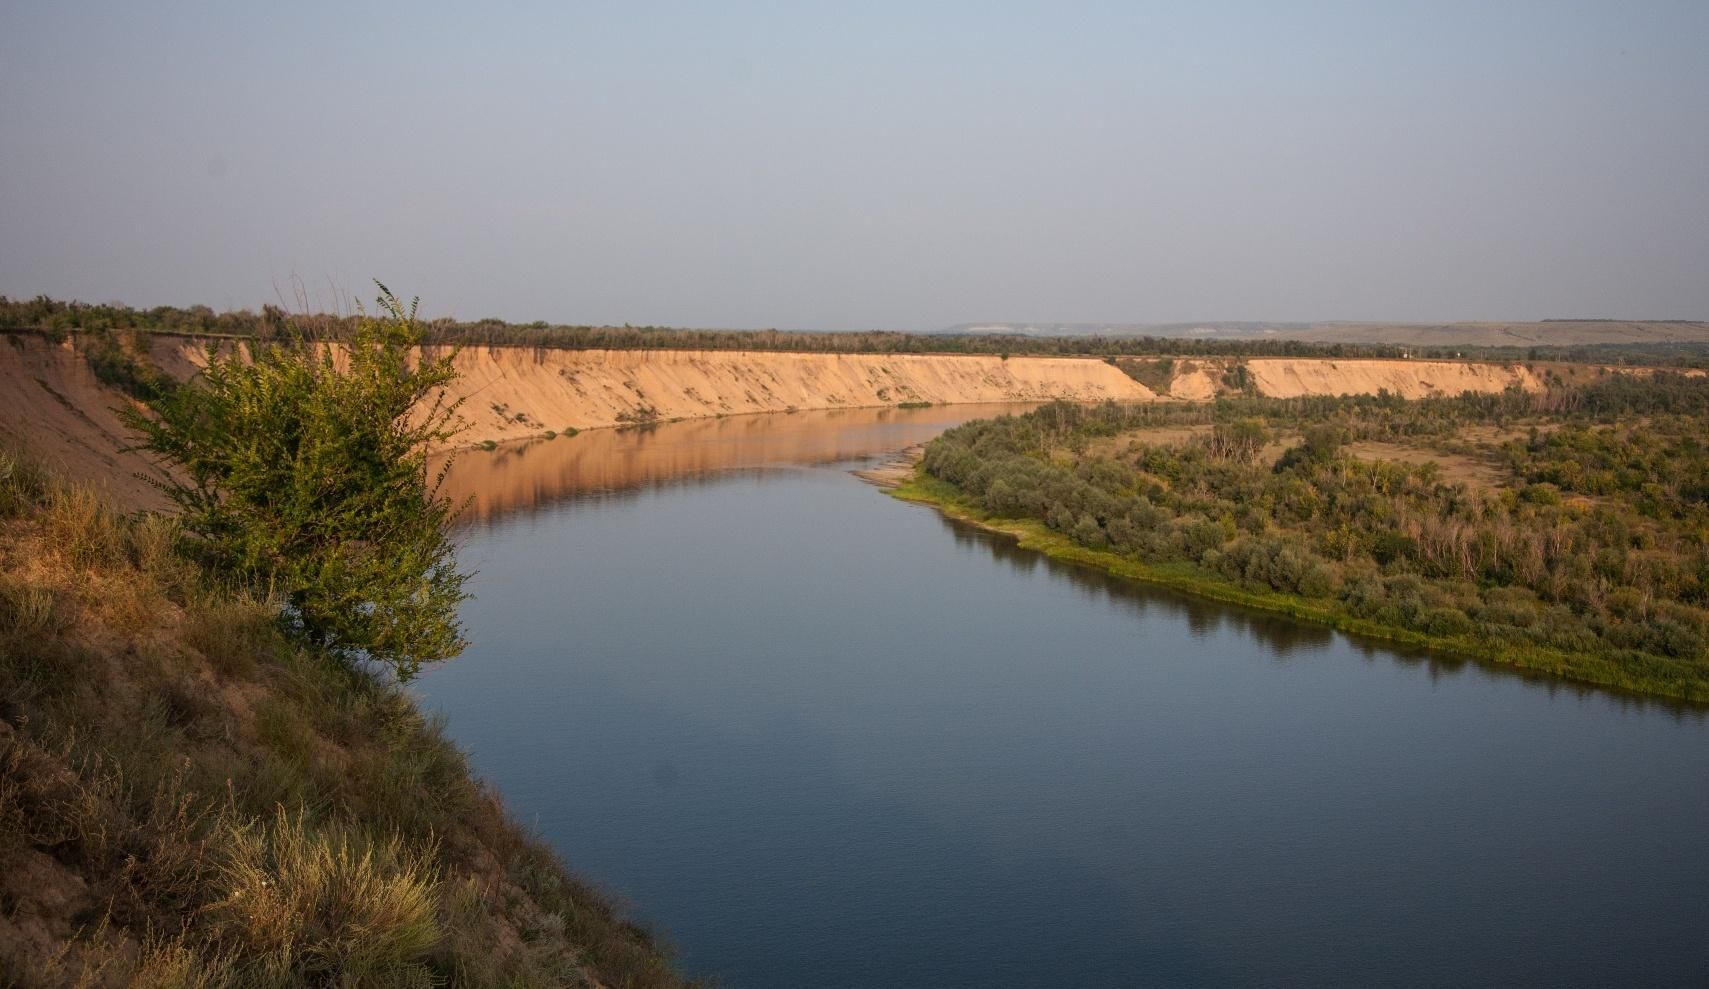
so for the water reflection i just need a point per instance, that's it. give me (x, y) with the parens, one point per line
(1287, 638)
(610, 465)
(1204, 619)
(823, 738)
(525, 476)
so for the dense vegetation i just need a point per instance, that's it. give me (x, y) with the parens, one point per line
(59, 318)
(1591, 559)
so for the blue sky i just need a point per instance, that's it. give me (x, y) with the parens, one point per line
(889, 165)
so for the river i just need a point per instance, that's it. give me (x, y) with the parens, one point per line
(822, 738)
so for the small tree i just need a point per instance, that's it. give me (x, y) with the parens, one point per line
(304, 468)
(1241, 439)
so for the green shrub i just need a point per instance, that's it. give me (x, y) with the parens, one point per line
(308, 474)
(1445, 622)
(1153, 374)
(123, 368)
(1318, 580)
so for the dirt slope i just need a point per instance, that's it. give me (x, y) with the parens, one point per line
(1292, 378)
(52, 405)
(517, 392)
(1195, 384)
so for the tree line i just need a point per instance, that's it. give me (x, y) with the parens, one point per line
(59, 317)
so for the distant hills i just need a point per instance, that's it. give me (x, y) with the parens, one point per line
(1544, 333)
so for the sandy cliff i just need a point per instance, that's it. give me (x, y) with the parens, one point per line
(54, 406)
(1293, 377)
(517, 392)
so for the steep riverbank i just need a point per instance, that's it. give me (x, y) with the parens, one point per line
(53, 406)
(514, 393)
(58, 409)
(189, 798)
(519, 392)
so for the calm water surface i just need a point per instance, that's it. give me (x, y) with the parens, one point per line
(823, 738)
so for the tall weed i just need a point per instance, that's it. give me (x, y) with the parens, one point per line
(303, 905)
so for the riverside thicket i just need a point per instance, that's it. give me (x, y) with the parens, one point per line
(1586, 555)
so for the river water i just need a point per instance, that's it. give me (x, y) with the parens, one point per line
(822, 738)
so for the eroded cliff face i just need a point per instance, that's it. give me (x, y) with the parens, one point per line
(1294, 377)
(517, 392)
(53, 404)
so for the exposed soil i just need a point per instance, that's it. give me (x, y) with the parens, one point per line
(896, 471)
(1294, 377)
(54, 406)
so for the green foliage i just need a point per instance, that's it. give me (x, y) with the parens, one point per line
(57, 318)
(1153, 374)
(1619, 584)
(126, 368)
(302, 469)
(1241, 439)
(1662, 466)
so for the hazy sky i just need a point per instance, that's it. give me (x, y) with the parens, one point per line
(902, 165)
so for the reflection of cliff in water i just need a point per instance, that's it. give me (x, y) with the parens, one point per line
(1286, 637)
(524, 476)
(1204, 618)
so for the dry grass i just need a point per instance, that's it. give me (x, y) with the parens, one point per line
(233, 633)
(82, 529)
(188, 799)
(1110, 446)
(305, 905)
(1456, 468)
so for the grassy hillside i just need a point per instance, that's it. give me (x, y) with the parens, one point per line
(188, 799)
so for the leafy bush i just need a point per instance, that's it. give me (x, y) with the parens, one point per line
(305, 471)
(126, 369)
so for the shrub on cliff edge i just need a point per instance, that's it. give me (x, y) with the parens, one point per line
(303, 470)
